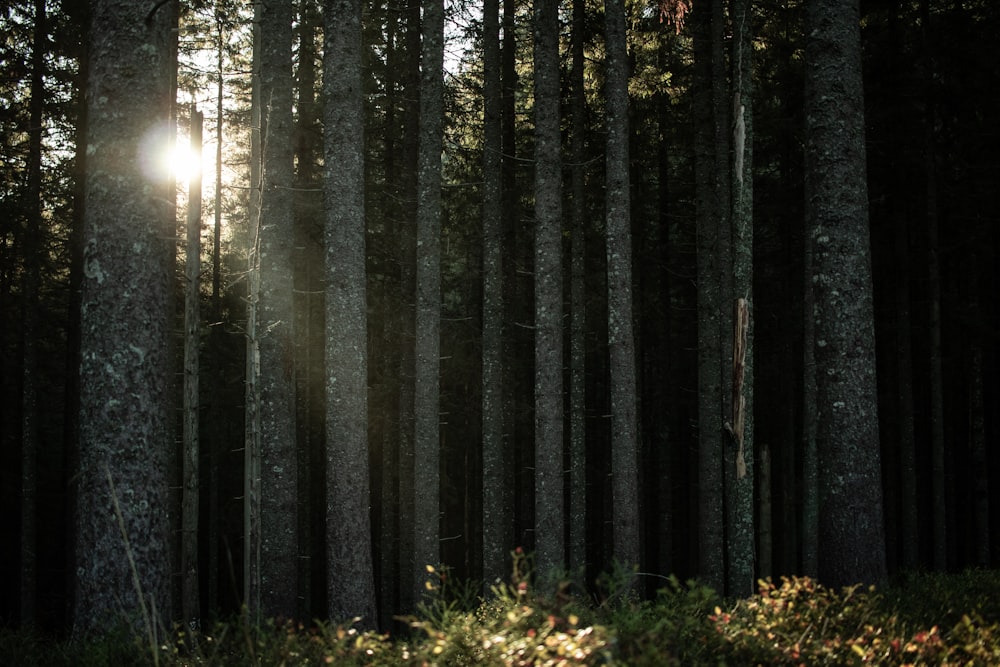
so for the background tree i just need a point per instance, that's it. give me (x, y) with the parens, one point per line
(497, 514)
(427, 404)
(31, 282)
(549, 504)
(851, 533)
(740, 575)
(121, 487)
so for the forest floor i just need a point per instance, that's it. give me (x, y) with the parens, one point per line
(918, 619)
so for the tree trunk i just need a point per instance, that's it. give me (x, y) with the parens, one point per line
(578, 305)
(497, 513)
(274, 335)
(427, 408)
(739, 473)
(939, 523)
(31, 286)
(711, 520)
(549, 503)
(407, 313)
(122, 546)
(190, 602)
(851, 532)
(350, 570)
(621, 339)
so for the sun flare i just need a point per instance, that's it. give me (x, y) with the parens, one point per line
(183, 163)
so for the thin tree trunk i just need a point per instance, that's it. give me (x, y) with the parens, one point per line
(190, 583)
(939, 523)
(407, 312)
(497, 513)
(910, 524)
(711, 520)
(251, 452)
(31, 286)
(578, 305)
(979, 455)
(740, 578)
(549, 503)
(427, 406)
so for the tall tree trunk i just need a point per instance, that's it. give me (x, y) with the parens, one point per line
(740, 576)
(939, 527)
(851, 532)
(621, 339)
(310, 337)
(190, 582)
(549, 503)
(909, 509)
(810, 453)
(216, 414)
(407, 313)
(497, 498)
(251, 451)
(31, 286)
(275, 336)
(578, 304)
(711, 520)
(389, 529)
(350, 568)
(122, 545)
(427, 407)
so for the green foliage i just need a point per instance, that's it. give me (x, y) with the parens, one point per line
(674, 629)
(920, 620)
(802, 622)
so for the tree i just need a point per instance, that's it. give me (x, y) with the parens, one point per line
(621, 341)
(851, 533)
(190, 582)
(426, 408)
(350, 576)
(29, 327)
(497, 513)
(274, 586)
(549, 504)
(577, 299)
(122, 562)
(739, 459)
(710, 265)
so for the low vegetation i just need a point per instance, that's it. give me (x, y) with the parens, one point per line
(916, 620)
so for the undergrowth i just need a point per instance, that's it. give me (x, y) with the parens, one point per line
(921, 619)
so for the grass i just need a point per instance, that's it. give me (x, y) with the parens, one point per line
(921, 619)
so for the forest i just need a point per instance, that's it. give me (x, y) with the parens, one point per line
(306, 303)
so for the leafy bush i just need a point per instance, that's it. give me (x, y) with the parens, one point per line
(919, 620)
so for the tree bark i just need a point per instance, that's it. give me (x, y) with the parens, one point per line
(851, 532)
(549, 503)
(711, 520)
(279, 552)
(497, 512)
(190, 582)
(621, 338)
(121, 487)
(739, 472)
(578, 304)
(350, 569)
(427, 407)
(31, 286)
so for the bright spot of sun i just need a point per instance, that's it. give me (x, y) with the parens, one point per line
(183, 163)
